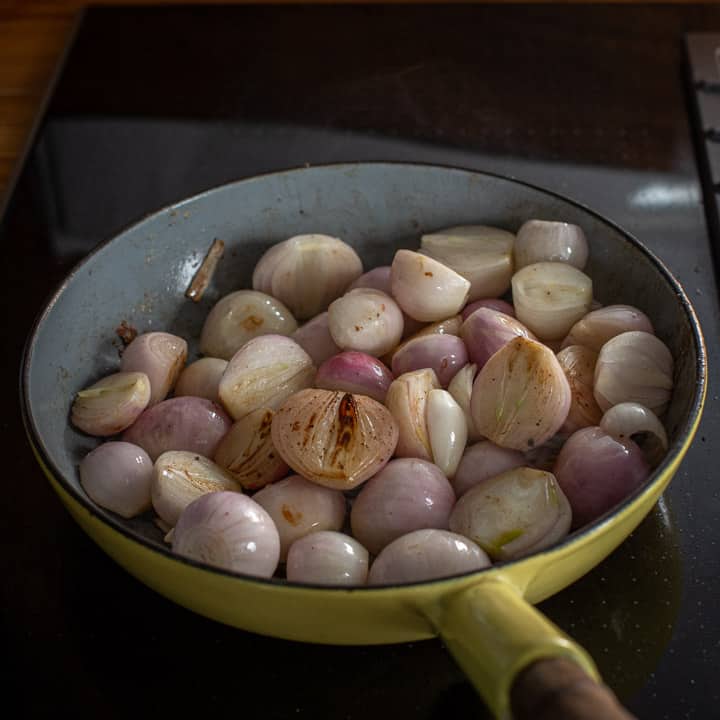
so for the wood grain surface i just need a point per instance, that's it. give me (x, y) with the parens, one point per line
(33, 34)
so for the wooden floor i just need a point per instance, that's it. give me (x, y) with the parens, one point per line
(33, 34)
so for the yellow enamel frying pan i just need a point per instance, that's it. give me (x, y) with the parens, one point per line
(485, 618)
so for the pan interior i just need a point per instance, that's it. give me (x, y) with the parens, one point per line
(140, 276)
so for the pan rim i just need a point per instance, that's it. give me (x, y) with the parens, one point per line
(577, 538)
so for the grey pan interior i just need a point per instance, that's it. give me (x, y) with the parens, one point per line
(141, 275)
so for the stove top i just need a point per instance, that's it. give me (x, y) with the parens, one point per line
(155, 104)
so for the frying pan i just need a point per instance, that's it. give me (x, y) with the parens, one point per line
(485, 618)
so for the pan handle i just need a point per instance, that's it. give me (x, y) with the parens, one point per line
(516, 658)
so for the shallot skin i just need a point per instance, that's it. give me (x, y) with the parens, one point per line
(597, 471)
(426, 555)
(184, 423)
(408, 494)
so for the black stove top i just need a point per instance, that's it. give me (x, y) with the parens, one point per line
(155, 104)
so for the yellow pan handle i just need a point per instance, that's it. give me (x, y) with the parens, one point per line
(493, 633)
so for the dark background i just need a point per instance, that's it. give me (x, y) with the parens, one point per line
(156, 104)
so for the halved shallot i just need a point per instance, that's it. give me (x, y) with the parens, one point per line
(241, 316)
(161, 356)
(333, 438)
(550, 297)
(406, 400)
(481, 254)
(426, 289)
(513, 514)
(521, 397)
(247, 451)
(265, 372)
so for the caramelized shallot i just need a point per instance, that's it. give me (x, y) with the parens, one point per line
(333, 438)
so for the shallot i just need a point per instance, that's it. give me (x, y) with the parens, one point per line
(111, 404)
(241, 316)
(521, 397)
(333, 438)
(201, 379)
(513, 514)
(327, 558)
(550, 297)
(180, 477)
(117, 476)
(299, 507)
(443, 353)
(161, 356)
(264, 372)
(545, 241)
(247, 451)
(426, 555)
(486, 331)
(406, 400)
(482, 254)
(603, 324)
(185, 423)
(634, 421)
(426, 289)
(634, 367)
(307, 272)
(229, 531)
(483, 461)
(408, 494)
(355, 372)
(365, 320)
(597, 471)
